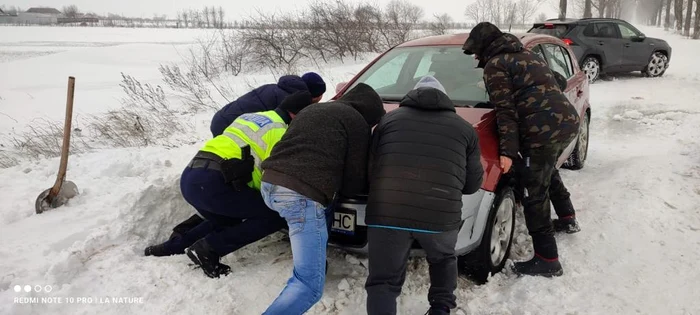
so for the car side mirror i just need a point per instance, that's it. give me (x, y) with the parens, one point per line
(339, 87)
(639, 38)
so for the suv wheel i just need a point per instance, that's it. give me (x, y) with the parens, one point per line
(591, 67)
(578, 157)
(657, 65)
(492, 253)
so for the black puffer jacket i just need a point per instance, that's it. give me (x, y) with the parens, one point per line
(423, 157)
(324, 151)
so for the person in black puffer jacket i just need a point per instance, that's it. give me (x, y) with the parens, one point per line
(423, 157)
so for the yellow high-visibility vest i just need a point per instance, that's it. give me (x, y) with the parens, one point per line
(261, 131)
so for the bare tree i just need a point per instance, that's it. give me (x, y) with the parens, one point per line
(401, 17)
(688, 18)
(562, 9)
(478, 11)
(542, 17)
(71, 11)
(220, 13)
(667, 22)
(196, 19)
(526, 9)
(587, 9)
(332, 26)
(205, 16)
(214, 17)
(678, 14)
(370, 21)
(696, 28)
(276, 43)
(233, 52)
(185, 19)
(440, 24)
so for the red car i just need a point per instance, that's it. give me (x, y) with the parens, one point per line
(488, 215)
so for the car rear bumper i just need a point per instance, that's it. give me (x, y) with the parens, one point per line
(350, 215)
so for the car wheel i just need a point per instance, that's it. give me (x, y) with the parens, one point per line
(657, 65)
(494, 250)
(578, 157)
(591, 67)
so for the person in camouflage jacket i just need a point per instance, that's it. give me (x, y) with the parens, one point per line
(536, 121)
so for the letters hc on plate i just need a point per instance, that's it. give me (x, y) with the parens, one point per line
(343, 223)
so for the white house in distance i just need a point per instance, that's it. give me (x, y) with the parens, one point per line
(33, 16)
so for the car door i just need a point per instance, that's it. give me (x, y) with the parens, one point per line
(560, 60)
(603, 39)
(636, 51)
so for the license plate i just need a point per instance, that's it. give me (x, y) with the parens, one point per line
(343, 223)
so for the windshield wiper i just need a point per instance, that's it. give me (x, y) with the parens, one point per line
(388, 99)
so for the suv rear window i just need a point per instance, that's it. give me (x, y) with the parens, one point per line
(556, 30)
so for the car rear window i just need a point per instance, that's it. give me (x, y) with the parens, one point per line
(397, 72)
(556, 30)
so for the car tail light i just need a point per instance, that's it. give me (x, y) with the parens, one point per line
(568, 41)
(548, 25)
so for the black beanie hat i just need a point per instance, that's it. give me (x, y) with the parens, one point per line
(294, 103)
(315, 83)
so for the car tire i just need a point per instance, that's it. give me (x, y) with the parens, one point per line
(658, 62)
(577, 159)
(591, 67)
(491, 255)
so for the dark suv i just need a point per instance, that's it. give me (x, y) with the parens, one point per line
(609, 46)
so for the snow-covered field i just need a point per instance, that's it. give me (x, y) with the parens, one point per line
(637, 199)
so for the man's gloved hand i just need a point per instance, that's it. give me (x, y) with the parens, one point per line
(295, 102)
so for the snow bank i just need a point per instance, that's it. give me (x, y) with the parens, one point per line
(637, 201)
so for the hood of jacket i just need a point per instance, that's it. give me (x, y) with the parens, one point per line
(292, 83)
(366, 101)
(427, 98)
(486, 41)
(507, 43)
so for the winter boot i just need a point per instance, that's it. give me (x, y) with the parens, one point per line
(539, 266)
(161, 250)
(566, 224)
(203, 256)
(438, 310)
(567, 216)
(185, 226)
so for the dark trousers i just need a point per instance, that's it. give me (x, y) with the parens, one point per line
(388, 257)
(558, 194)
(233, 218)
(541, 181)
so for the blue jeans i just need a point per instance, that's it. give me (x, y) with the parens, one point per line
(309, 235)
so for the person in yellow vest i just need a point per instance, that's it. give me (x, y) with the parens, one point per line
(222, 182)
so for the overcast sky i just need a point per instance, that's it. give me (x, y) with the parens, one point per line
(234, 9)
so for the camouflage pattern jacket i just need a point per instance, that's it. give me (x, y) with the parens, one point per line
(531, 110)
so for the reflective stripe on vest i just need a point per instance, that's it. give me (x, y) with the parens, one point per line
(264, 123)
(255, 136)
(261, 131)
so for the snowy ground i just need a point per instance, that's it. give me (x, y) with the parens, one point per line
(637, 198)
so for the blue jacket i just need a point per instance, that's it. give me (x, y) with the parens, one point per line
(264, 98)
